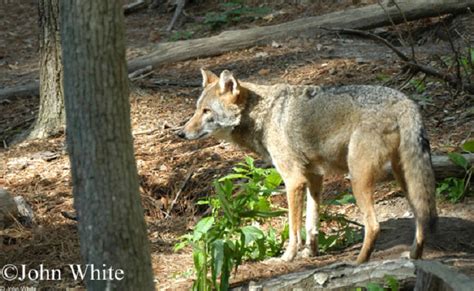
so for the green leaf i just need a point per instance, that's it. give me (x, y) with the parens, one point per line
(442, 186)
(199, 260)
(232, 177)
(225, 189)
(180, 245)
(263, 204)
(251, 234)
(452, 188)
(468, 146)
(217, 253)
(392, 283)
(285, 234)
(202, 227)
(231, 256)
(250, 162)
(346, 199)
(374, 287)
(262, 214)
(457, 190)
(459, 160)
(240, 170)
(327, 242)
(273, 179)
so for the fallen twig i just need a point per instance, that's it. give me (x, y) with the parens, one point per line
(179, 9)
(186, 179)
(69, 215)
(135, 6)
(140, 73)
(395, 27)
(409, 30)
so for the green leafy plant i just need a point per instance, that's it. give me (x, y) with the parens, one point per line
(233, 232)
(419, 85)
(455, 189)
(339, 234)
(232, 12)
(467, 62)
(342, 199)
(391, 283)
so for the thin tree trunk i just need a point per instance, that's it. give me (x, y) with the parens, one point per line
(112, 229)
(51, 115)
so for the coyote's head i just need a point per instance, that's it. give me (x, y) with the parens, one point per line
(218, 108)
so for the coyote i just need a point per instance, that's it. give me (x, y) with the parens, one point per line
(310, 131)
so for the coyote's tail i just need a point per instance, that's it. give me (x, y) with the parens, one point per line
(415, 156)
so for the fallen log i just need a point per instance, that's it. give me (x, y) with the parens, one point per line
(366, 17)
(443, 167)
(436, 276)
(30, 89)
(417, 275)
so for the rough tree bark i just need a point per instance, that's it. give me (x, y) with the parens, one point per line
(51, 115)
(411, 275)
(112, 229)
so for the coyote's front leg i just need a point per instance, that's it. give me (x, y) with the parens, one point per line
(295, 188)
(313, 200)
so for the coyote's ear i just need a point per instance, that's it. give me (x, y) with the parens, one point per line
(228, 84)
(208, 77)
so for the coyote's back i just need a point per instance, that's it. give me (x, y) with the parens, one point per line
(309, 131)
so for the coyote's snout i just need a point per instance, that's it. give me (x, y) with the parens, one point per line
(309, 131)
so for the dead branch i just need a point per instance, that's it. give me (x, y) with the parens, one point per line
(409, 30)
(186, 179)
(456, 56)
(412, 63)
(179, 9)
(140, 73)
(134, 7)
(395, 27)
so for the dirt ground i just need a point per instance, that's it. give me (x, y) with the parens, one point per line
(161, 102)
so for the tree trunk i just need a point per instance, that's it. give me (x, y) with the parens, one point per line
(51, 113)
(112, 229)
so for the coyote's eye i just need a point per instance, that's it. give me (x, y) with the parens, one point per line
(206, 111)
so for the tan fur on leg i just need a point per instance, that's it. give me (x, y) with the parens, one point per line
(313, 196)
(295, 191)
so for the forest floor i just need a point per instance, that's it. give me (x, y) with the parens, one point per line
(161, 102)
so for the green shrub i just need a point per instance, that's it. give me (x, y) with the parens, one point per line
(234, 231)
(455, 189)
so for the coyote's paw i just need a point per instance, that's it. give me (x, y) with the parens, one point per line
(307, 252)
(405, 255)
(289, 254)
